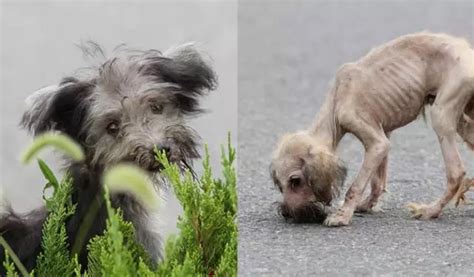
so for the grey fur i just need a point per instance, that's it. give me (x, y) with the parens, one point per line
(120, 110)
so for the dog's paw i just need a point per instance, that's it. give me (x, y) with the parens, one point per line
(365, 209)
(460, 197)
(423, 211)
(460, 200)
(337, 219)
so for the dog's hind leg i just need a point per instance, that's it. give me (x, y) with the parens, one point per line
(466, 124)
(466, 131)
(445, 114)
(465, 187)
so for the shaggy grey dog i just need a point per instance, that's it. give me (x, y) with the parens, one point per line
(119, 111)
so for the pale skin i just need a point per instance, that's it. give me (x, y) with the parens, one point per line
(386, 90)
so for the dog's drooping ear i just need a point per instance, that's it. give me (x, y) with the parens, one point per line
(186, 67)
(273, 175)
(325, 173)
(58, 107)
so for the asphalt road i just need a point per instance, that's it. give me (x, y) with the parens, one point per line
(288, 54)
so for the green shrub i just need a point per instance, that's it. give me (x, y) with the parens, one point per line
(9, 266)
(54, 256)
(206, 244)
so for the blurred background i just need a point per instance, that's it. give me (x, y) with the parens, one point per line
(289, 52)
(38, 41)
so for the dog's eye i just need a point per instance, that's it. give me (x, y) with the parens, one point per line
(156, 108)
(113, 128)
(295, 181)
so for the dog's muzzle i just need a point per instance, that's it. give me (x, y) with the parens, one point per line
(146, 157)
(312, 212)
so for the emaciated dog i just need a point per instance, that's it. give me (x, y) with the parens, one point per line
(383, 91)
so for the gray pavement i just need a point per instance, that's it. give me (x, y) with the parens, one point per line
(288, 54)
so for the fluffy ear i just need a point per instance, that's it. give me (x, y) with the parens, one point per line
(186, 67)
(325, 173)
(59, 107)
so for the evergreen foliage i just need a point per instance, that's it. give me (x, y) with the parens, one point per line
(206, 244)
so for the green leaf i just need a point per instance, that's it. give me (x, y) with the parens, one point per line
(58, 141)
(48, 174)
(50, 177)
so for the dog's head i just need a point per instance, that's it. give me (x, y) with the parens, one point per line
(129, 105)
(308, 175)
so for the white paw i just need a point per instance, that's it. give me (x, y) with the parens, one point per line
(337, 219)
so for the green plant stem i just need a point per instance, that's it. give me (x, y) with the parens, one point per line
(86, 225)
(14, 257)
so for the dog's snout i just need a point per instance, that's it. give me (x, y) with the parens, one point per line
(284, 211)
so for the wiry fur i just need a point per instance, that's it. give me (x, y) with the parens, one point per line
(383, 91)
(322, 171)
(119, 111)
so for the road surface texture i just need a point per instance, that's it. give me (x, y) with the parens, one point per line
(38, 48)
(288, 55)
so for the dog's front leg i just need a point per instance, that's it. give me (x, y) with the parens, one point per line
(376, 149)
(378, 185)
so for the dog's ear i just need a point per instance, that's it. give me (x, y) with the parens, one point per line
(273, 175)
(325, 173)
(186, 67)
(59, 107)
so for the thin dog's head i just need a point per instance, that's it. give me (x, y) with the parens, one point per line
(308, 175)
(127, 106)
